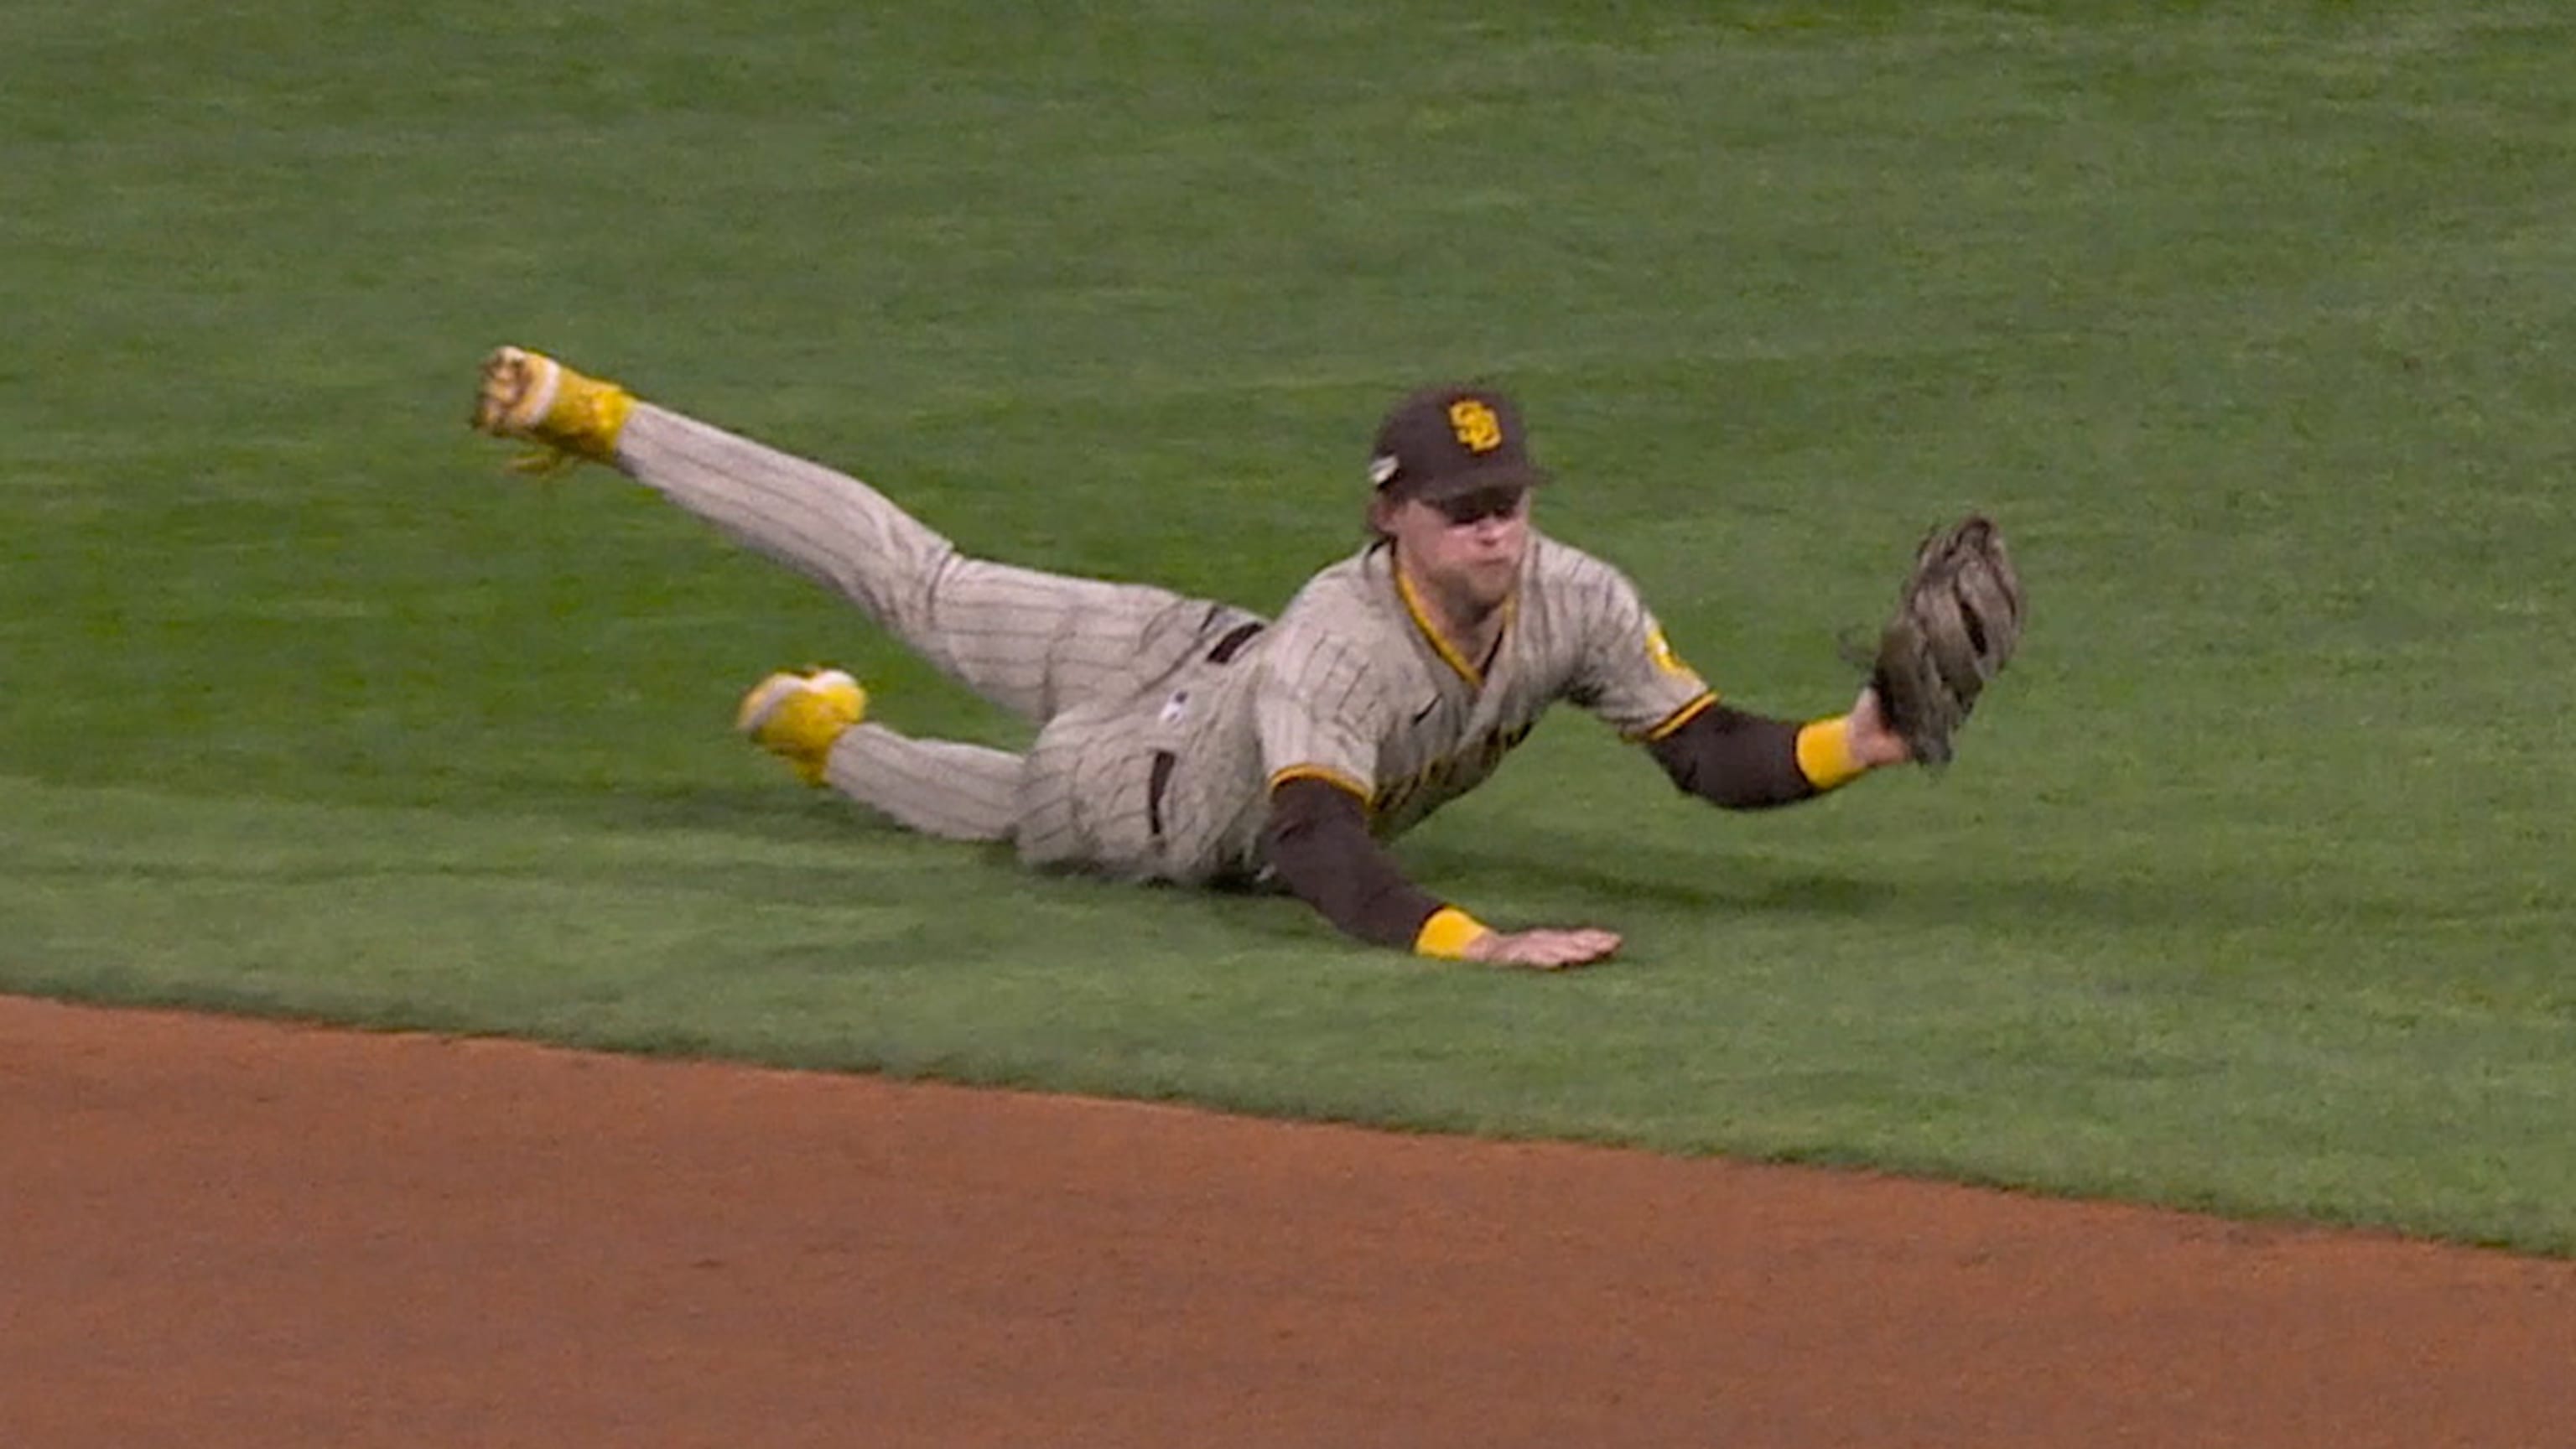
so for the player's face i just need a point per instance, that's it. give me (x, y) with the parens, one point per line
(1468, 548)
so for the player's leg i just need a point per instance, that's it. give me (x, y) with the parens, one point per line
(938, 787)
(815, 722)
(1032, 642)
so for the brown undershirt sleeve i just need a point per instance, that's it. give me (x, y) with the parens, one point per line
(1746, 761)
(1318, 843)
(1317, 840)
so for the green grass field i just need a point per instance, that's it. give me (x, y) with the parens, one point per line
(2250, 892)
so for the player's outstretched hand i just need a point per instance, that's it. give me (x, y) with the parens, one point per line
(1544, 950)
(1873, 741)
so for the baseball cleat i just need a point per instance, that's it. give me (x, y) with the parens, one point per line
(529, 395)
(797, 717)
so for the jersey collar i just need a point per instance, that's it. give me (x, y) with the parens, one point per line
(1448, 652)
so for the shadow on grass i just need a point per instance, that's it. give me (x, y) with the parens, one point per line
(2075, 895)
(1968, 892)
(854, 856)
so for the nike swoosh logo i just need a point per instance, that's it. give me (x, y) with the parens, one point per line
(1424, 713)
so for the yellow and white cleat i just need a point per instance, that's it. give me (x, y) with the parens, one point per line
(798, 717)
(571, 416)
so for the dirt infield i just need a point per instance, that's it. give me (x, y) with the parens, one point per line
(221, 1233)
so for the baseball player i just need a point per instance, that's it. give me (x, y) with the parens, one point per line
(1186, 740)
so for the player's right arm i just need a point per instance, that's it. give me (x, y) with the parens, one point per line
(1318, 843)
(1319, 720)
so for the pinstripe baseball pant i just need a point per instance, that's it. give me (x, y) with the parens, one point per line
(1077, 657)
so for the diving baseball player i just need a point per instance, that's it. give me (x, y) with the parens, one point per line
(1191, 741)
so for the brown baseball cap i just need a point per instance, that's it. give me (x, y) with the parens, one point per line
(1454, 439)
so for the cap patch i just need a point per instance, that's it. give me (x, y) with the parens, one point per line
(1479, 430)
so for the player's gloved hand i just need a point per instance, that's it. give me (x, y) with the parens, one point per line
(1873, 742)
(1957, 623)
(1544, 949)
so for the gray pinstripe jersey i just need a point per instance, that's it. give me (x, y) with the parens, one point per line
(1350, 686)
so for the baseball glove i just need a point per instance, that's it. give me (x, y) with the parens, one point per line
(1958, 619)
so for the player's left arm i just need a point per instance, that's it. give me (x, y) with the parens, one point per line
(1729, 757)
(1744, 761)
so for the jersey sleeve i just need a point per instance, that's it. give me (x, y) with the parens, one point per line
(1317, 712)
(1628, 673)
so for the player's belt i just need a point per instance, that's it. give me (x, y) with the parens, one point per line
(1233, 642)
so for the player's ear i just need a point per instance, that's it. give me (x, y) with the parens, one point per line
(1381, 515)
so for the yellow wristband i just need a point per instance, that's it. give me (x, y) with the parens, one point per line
(1825, 755)
(1447, 933)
